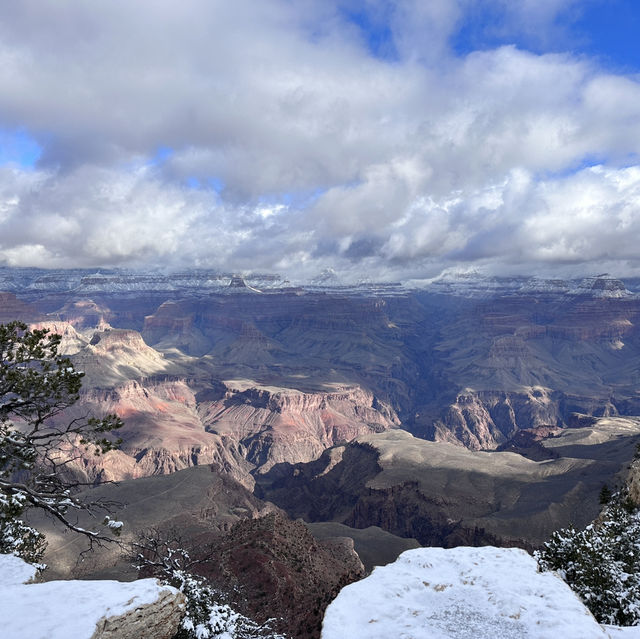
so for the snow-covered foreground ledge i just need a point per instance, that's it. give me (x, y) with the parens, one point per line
(84, 609)
(463, 593)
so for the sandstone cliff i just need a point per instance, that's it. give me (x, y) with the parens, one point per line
(177, 417)
(277, 425)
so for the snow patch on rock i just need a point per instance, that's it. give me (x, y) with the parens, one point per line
(81, 609)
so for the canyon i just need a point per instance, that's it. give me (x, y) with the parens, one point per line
(456, 411)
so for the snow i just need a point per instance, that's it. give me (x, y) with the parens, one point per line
(63, 609)
(14, 571)
(631, 632)
(466, 593)
(113, 524)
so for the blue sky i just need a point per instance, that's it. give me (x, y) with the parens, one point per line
(606, 30)
(18, 147)
(396, 139)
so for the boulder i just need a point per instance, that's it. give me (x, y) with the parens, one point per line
(142, 609)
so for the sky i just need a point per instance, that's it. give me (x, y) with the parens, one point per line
(388, 139)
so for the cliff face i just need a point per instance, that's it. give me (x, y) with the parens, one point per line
(289, 339)
(177, 416)
(71, 343)
(278, 569)
(282, 425)
(84, 314)
(162, 434)
(114, 356)
(487, 419)
(530, 360)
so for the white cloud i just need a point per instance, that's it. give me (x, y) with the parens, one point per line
(94, 215)
(367, 164)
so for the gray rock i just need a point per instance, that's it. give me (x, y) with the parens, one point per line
(157, 620)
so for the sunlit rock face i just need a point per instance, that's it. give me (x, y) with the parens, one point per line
(276, 425)
(176, 415)
(484, 419)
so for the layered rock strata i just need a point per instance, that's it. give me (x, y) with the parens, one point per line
(176, 417)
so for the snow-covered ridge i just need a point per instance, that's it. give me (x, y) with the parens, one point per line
(470, 284)
(475, 285)
(82, 281)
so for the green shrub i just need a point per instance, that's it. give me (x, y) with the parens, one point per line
(602, 562)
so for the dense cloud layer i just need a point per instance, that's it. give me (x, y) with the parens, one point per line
(275, 135)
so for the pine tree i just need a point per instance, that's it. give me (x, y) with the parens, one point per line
(36, 386)
(602, 562)
(605, 495)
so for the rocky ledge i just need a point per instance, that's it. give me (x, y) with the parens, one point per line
(141, 609)
(463, 592)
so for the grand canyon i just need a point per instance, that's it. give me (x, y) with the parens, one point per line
(312, 432)
(346, 306)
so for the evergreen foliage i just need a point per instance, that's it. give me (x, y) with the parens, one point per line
(602, 562)
(17, 537)
(36, 444)
(605, 495)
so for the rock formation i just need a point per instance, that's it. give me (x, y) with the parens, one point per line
(464, 592)
(11, 308)
(176, 415)
(471, 362)
(279, 425)
(278, 569)
(156, 620)
(444, 495)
